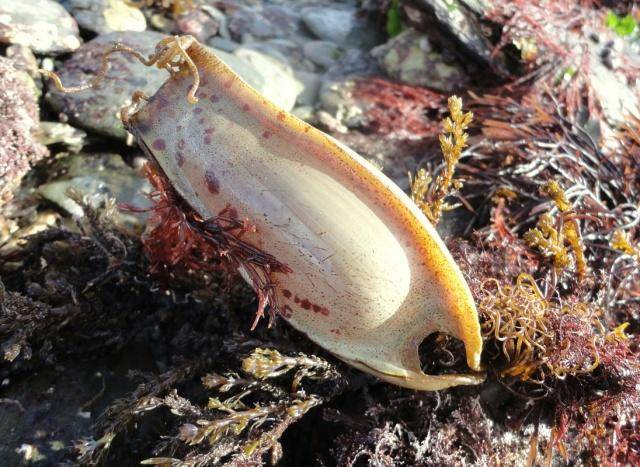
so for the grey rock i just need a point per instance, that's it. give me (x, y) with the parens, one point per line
(463, 25)
(42, 25)
(98, 178)
(353, 62)
(249, 24)
(276, 80)
(223, 44)
(104, 16)
(198, 24)
(337, 101)
(342, 26)
(213, 12)
(70, 137)
(323, 53)
(409, 58)
(306, 113)
(284, 50)
(311, 91)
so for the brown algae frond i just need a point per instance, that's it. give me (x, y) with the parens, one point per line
(621, 242)
(170, 54)
(557, 236)
(430, 196)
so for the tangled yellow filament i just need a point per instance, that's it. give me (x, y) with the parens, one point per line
(519, 319)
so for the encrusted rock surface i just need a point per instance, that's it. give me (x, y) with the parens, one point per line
(19, 149)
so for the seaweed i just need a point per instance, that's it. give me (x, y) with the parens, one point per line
(430, 197)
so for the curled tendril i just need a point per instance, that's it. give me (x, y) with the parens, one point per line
(170, 54)
(539, 338)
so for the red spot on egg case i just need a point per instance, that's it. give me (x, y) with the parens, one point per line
(307, 304)
(159, 144)
(213, 185)
(267, 134)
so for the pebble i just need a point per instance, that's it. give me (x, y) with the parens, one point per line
(42, 25)
(342, 26)
(98, 177)
(322, 53)
(104, 16)
(409, 58)
(276, 80)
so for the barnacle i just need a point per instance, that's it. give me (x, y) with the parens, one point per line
(552, 234)
(326, 241)
(430, 194)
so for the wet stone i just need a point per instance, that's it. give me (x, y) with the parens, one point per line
(248, 24)
(197, 23)
(342, 26)
(99, 177)
(410, 58)
(104, 16)
(42, 25)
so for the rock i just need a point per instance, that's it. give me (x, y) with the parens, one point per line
(248, 24)
(275, 78)
(305, 112)
(284, 50)
(104, 16)
(61, 133)
(341, 26)
(337, 101)
(42, 25)
(322, 53)
(23, 59)
(19, 112)
(98, 177)
(409, 58)
(353, 62)
(223, 44)
(213, 12)
(198, 24)
(96, 109)
(311, 83)
(460, 23)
